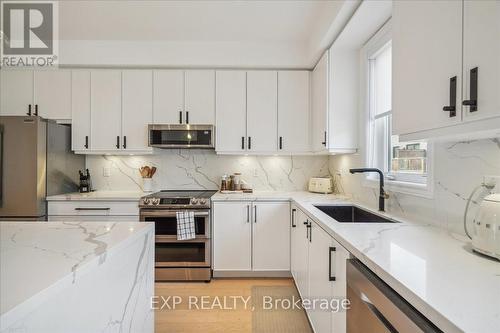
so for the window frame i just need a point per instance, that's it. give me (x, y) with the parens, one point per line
(404, 182)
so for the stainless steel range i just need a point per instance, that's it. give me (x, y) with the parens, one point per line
(179, 260)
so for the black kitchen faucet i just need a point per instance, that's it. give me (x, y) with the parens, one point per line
(382, 194)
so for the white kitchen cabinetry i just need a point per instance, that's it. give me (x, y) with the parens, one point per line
(262, 99)
(80, 110)
(16, 92)
(137, 108)
(435, 46)
(232, 236)
(106, 109)
(52, 94)
(88, 210)
(319, 270)
(481, 28)
(200, 97)
(271, 236)
(184, 97)
(251, 237)
(168, 96)
(319, 102)
(293, 111)
(230, 101)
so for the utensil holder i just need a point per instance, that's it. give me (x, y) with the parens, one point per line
(147, 184)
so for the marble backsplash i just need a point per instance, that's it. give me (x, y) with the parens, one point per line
(458, 168)
(202, 169)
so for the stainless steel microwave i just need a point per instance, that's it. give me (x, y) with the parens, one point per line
(181, 136)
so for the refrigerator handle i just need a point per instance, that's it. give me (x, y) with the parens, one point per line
(1, 165)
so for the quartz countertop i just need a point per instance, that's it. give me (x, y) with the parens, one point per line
(40, 258)
(434, 270)
(99, 196)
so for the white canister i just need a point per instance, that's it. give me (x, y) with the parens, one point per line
(147, 184)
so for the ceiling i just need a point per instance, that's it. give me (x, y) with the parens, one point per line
(286, 26)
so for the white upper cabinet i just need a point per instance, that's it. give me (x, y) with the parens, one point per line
(293, 111)
(427, 47)
(481, 58)
(199, 97)
(262, 99)
(319, 102)
(16, 92)
(231, 111)
(271, 236)
(80, 110)
(168, 96)
(52, 94)
(106, 108)
(137, 109)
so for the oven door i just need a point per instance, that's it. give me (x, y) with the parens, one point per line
(166, 222)
(181, 136)
(190, 253)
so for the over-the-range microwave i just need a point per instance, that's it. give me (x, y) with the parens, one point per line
(181, 136)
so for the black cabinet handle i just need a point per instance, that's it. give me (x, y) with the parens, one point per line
(242, 143)
(187, 117)
(248, 213)
(293, 218)
(307, 228)
(36, 109)
(29, 110)
(86, 145)
(472, 101)
(124, 142)
(180, 117)
(255, 213)
(117, 142)
(324, 140)
(452, 108)
(310, 232)
(330, 250)
(249, 142)
(92, 208)
(281, 142)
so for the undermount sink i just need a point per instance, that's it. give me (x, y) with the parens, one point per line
(352, 214)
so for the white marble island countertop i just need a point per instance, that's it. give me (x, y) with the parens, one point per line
(40, 259)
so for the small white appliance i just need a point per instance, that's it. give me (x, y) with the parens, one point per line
(486, 232)
(321, 185)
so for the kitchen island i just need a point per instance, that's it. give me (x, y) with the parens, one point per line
(76, 277)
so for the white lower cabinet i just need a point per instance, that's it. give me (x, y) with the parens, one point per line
(90, 211)
(251, 236)
(319, 270)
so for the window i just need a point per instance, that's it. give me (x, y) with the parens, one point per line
(400, 161)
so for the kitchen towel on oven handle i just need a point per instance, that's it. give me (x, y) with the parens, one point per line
(185, 225)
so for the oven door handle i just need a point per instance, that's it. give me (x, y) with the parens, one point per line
(170, 213)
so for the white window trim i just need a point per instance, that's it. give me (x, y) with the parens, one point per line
(381, 38)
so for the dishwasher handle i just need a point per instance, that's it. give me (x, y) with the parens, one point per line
(392, 310)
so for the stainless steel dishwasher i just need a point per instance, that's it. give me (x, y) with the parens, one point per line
(377, 308)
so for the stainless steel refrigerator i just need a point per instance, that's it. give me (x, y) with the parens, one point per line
(35, 161)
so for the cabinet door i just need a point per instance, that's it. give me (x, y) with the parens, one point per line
(426, 53)
(16, 92)
(271, 236)
(339, 267)
(320, 104)
(320, 286)
(200, 97)
(262, 99)
(231, 106)
(232, 244)
(482, 50)
(52, 93)
(106, 108)
(168, 96)
(137, 110)
(80, 110)
(299, 250)
(293, 111)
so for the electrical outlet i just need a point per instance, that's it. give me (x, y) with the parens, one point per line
(106, 171)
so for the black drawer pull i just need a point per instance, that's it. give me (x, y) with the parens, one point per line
(330, 250)
(452, 108)
(91, 208)
(472, 101)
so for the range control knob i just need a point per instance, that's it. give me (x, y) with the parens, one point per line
(203, 201)
(194, 201)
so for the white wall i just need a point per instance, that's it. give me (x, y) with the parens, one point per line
(458, 168)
